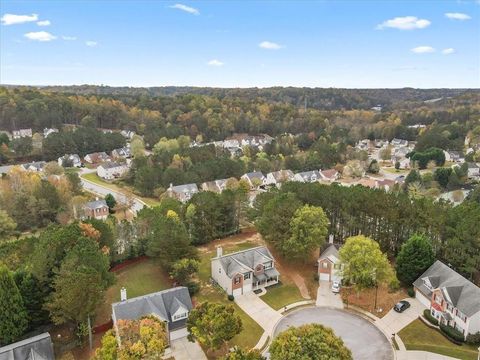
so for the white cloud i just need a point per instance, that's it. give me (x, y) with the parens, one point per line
(11, 19)
(422, 49)
(448, 51)
(404, 23)
(186, 8)
(215, 62)
(44, 23)
(42, 36)
(458, 16)
(270, 45)
(91, 43)
(69, 38)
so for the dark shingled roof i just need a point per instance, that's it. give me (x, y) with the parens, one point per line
(38, 347)
(462, 293)
(162, 304)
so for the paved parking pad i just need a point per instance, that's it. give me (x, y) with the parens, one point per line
(362, 337)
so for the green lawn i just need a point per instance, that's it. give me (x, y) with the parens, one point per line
(282, 294)
(392, 170)
(418, 336)
(251, 330)
(93, 177)
(139, 279)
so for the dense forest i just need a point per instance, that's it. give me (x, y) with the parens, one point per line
(214, 114)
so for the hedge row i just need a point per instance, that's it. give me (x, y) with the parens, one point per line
(429, 317)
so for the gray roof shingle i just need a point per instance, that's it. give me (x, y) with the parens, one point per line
(163, 304)
(96, 204)
(244, 261)
(38, 347)
(463, 294)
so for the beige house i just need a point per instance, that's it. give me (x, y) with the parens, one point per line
(244, 271)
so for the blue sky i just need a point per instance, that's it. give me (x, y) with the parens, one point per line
(241, 43)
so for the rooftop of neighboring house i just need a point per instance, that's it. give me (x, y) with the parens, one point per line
(38, 165)
(330, 252)
(38, 347)
(215, 185)
(123, 151)
(460, 292)
(307, 175)
(98, 156)
(329, 174)
(186, 188)
(73, 157)
(244, 261)
(254, 175)
(97, 204)
(368, 182)
(111, 165)
(282, 175)
(472, 165)
(163, 304)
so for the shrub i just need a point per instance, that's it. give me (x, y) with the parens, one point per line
(452, 334)
(231, 297)
(429, 317)
(411, 292)
(473, 339)
(193, 287)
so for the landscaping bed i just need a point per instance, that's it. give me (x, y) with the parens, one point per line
(419, 336)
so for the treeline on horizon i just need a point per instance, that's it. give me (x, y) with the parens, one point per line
(342, 115)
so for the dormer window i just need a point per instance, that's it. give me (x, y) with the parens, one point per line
(427, 284)
(180, 316)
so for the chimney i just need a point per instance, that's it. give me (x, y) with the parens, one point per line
(96, 198)
(171, 186)
(123, 294)
(219, 251)
(330, 239)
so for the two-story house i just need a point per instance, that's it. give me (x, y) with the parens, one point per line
(452, 299)
(216, 186)
(182, 193)
(329, 262)
(97, 157)
(276, 178)
(70, 160)
(254, 179)
(307, 176)
(244, 271)
(111, 170)
(97, 209)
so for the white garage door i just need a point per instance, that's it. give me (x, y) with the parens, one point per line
(237, 292)
(424, 300)
(324, 277)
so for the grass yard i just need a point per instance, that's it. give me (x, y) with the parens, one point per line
(282, 294)
(139, 279)
(251, 330)
(418, 336)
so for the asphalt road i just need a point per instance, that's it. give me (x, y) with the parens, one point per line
(363, 338)
(100, 190)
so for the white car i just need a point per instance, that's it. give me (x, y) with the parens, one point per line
(336, 287)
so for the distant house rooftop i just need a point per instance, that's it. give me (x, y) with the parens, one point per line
(97, 204)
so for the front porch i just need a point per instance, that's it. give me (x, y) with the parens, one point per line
(268, 278)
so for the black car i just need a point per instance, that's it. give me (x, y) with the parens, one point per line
(401, 306)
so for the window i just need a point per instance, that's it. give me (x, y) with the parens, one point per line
(246, 276)
(237, 280)
(325, 265)
(219, 270)
(268, 265)
(180, 316)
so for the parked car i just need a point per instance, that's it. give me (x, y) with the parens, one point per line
(401, 306)
(336, 287)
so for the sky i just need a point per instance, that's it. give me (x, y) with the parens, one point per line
(342, 44)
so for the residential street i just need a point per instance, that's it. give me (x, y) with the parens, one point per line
(100, 190)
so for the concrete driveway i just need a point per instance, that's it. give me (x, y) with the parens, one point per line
(325, 296)
(258, 310)
(393, 322)
(182, 349)
(362, 337)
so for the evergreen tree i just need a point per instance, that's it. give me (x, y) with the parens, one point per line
(415, 256)
(13, 316)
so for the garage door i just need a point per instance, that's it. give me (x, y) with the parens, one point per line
(237, 292)
(424, 300)
(324, 277)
